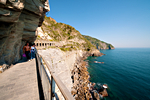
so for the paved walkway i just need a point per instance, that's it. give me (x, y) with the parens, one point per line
(19, 82)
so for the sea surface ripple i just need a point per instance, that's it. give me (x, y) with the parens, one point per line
(125, 70)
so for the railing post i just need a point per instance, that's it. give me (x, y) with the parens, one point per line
(51, 92)
(53, 89)
(41, 67)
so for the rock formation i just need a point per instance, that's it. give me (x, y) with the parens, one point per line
(95, 53)
(82, 87)
(99, 44)
(19, 20)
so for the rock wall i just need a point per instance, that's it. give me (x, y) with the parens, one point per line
(42, 35)
(19, 20)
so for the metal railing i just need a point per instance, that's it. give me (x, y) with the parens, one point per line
(49, 80)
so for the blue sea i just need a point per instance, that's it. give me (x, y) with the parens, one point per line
(126, 71)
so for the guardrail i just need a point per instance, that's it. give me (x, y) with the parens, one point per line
(49, 80)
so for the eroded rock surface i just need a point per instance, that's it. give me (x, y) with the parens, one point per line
(82, 87)
(19, 20)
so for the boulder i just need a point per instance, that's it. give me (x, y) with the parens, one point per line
(96, 96)
(95, 52)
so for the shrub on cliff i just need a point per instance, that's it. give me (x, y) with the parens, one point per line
(64, 32)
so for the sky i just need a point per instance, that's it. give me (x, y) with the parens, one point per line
(123, 23)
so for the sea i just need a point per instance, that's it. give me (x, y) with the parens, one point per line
(126, 71)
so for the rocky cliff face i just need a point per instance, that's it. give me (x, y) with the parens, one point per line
(19, 20)
(67, 36)
(99, 44)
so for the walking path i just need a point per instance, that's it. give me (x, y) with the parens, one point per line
(19, 82)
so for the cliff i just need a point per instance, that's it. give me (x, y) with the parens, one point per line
(19, 20)
(99, 44)
(67, 36)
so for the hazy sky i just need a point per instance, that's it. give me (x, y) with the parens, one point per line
(123, 23)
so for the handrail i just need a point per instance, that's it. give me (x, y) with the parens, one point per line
(67, 95)
(65, 92)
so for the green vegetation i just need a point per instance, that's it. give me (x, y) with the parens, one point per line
(59, 61)
(65, 49)
(50, 40)
(64, 32)
(38, 37)
(68, 47)
(51, 47)
(59, 31)
(88, 45)
(99, 44)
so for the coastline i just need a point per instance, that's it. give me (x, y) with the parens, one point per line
(82, 87)
(72, 70)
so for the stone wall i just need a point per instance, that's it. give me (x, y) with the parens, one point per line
(19, 20)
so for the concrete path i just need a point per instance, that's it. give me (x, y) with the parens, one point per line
(19, 82)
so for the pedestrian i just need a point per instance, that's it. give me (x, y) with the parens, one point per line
(26, 50)
(33, 50)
